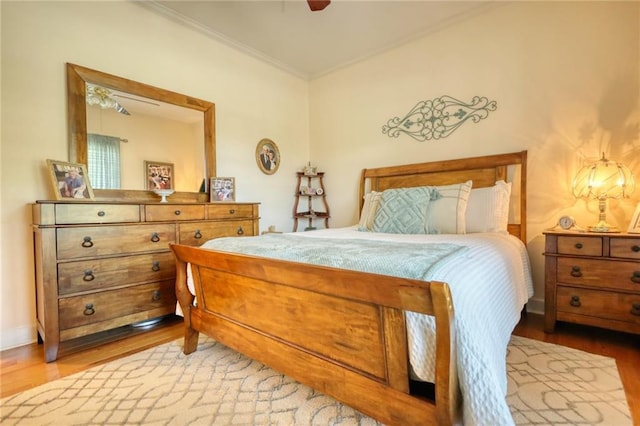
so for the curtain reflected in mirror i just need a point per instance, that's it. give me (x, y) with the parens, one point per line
(103, 157)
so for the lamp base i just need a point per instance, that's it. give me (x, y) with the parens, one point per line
(603, 226)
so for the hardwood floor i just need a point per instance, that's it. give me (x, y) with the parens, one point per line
(24, 367)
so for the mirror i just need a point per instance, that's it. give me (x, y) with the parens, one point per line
(77, 79)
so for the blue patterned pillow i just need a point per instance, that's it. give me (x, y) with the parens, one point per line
(404, 210)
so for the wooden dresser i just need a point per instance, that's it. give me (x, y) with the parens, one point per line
(592, 279)
(104, 265)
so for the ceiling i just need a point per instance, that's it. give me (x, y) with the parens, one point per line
(287, 34)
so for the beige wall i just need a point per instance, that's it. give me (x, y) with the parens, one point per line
(566, 80)
(565, 77)
(253, 101)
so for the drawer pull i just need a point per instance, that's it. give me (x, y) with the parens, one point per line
(101, 213)
(240, 231)
(578, 246)
(88, 275)
(154, 237)
(155, 296)
(232, 211)
(575, 271)
(635, 309)
(88, 309)
(636, 277)
(86, 242)
(197, 234)
(575, 301)
(156, 266)
(635, 248)
(177, 212)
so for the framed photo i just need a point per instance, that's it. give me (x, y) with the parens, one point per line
(158, 175)
(634, 226)
(70, 181)
(268, 156)
(222, 189)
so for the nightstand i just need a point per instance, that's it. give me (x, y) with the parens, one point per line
(592, 279)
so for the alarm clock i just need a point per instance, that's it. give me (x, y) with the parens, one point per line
(566, 222)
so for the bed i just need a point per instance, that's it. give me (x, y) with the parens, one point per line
(367, 335)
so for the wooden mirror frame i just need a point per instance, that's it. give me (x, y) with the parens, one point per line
(78, 76)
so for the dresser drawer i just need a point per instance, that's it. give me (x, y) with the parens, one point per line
(627, 248)
(99, 274)
(94, 241)
(96, 213)
(606, 305)
(230, 211)
(579, 245)
(170, 212)
(194, 234)
(107, 305)
(599, 273)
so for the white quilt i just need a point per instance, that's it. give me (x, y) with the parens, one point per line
(490, 282)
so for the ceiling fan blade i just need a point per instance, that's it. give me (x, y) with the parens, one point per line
(315, 5)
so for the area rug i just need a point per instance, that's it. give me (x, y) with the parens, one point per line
(548, 384)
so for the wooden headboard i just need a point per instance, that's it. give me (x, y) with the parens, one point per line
(483, 171)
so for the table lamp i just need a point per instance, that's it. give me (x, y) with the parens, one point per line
(602, 180)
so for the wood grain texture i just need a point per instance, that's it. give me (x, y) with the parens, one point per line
(100, 266)
(592, 279)
(323, 327)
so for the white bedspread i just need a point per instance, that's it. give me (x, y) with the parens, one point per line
(490, 282)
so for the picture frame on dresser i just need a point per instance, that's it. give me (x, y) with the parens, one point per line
(70, 181)
(158, 175)
(222, 189)
(634, 225)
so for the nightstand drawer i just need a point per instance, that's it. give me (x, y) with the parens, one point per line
(599, 273)
(94, 241)
(99, 274)
(627, 248)
(605, 305)
(579, 245)
(170, 212)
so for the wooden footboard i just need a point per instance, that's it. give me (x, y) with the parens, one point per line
(340, 332)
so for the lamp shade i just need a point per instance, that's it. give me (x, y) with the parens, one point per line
(602, 180)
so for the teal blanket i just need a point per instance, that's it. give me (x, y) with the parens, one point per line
(405, 260)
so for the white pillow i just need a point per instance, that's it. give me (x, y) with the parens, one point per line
(488, 208)
(448, 214)
(369, 209)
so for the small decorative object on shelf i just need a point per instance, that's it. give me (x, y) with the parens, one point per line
(164, 193)
(311, 191)
(310, 170)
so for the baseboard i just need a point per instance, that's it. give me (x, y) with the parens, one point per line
(18, 336)
(536, 306)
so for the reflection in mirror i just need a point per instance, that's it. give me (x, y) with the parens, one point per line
(140, 135)
(149, 131)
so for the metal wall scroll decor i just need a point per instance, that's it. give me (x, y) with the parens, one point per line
(438, 118)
